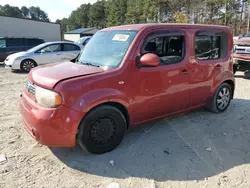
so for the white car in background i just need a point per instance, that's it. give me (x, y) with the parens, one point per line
(50, 52)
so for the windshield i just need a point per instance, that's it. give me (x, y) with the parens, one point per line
(107, 48)
(34, 49)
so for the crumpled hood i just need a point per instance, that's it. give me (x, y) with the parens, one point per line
(49, 75)
(245, 40)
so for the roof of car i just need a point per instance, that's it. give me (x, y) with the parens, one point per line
(60, 42)
(80, 31)
(86, 37)
(143, 26)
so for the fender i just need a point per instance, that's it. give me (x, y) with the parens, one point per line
(28, 58)
(17, 65)
(94, 98)
(222, 77)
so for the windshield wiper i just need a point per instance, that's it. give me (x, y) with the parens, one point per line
(89, 64)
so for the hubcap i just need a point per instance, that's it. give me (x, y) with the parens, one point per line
(103, 130)
(28, 65)
(223, 98)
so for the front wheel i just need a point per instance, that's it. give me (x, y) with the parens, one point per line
(27, 65)
(221, 99)
(102, 130)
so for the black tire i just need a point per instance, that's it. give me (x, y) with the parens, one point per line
(102, 130)
(216, 102)
(247, 74)
(27, 65)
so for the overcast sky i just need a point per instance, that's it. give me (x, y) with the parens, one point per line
(56, 9)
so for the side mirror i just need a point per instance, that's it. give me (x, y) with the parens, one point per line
(43, 51)
(149, 60)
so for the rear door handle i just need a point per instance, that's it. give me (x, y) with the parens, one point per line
(183, 71)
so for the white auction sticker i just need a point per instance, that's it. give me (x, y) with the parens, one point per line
(121, 37)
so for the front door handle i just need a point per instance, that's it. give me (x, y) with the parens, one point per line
(183, 71)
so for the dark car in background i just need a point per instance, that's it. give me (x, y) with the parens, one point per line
(10, 45)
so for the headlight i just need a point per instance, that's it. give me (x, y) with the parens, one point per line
(47, 98)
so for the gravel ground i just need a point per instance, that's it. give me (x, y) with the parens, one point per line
(198, 149)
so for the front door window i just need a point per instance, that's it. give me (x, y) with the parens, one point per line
(51, 48)
(170, 49)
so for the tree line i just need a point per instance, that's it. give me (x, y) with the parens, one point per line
(105, 13)
(34, 13)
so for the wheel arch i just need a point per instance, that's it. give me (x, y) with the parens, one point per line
(224, 77)
(26, 60)
(116, 105)
(232, 85)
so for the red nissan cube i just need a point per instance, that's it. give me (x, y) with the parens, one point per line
(125, 76)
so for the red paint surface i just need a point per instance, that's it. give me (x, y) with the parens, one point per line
(53, 73)
(147, 93)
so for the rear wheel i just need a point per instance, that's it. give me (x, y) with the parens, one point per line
(221, 99)
(102, 130)
(27, 65)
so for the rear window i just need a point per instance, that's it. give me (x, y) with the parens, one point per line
(210, 45)
(86, 41)
(83, 40)
(70, 47)
(2, 43)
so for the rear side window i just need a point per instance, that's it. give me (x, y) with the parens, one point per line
(2, 43)
(15, 42)
(70, 47)
(210, 45)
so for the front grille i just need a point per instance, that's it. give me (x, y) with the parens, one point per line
(31, 87)
(246, 45)
(242, 54)
(242, 51)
